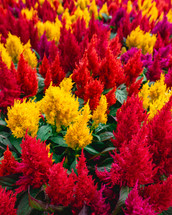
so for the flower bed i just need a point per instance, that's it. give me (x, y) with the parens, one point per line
(85, 107)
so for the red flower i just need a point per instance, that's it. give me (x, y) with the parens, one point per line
(136, 205)
(115, 46)
(35, 164)
(53, 51)
(81, 75)
(57, 72)
(27, 78)
(93, 91)
(9, 89)
(111, 98)
(129, 118)
(86, 192)
(133, 163)
(8, 163)
(61, 185)
(44, 66)
(134, 88)
(48, 79)
(160, 195)
(111, 71)
(7, 202)
(133, 68)
(160, 139)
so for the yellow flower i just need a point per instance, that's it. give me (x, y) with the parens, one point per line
(83, 3)
(52, 29)
(78, 134)
(29, 55)
(59, 106)
(68, 18)
(60, 9)
(141, 40)
(22, 117)
(104, 9)
(5, 56)
(28, 13)
(81, 14)
(169, 16)
(67, 84)
(14, 47)
(100, 115)
(129, 6)
(93, 9)
(155, 96)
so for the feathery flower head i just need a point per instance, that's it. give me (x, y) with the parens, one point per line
(141, 40)
(59, 106)
(35, 164)
(104, 10)
(7, 202)
(60, 187)
(29, 14)
(8, 163)
(135, 204)
(14, 47)
(5, 56)
(155, 96)
(29, 55)
(23, 116)
(78, 134)
(99, 114)
(93, 9)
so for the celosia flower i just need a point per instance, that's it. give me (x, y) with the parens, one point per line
(86, 192)
(8, 163)
(23, 116)
(159, 139)
(99, 114)
(27, 78)
(111, 97)
(141, 40)
(28, 13)
(93, 91)
(29, 55)
(35, 165)
(59, 106)
(136, 205)
(133, 68)
(78, 134)
(14, 47)
(129, 117)
(103, 10)
(44, 67)
(155, 96)
(9, 89)
(160, 195)
(60, 187)
(111, 71)
(7, 202)
(93, 9)
(5, 56)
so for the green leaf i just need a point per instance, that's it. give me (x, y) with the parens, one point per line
(106, 136)
(40, 84)
(5, 141)
(121, 94)
(91, 150)
(167, 212)
(96, 136)
(59, 140)
(100, 128)
(121, 201)
(23, 205)
(44, 132)
(112, 35)
(16, 143)
(106, 17)
(3, 123)
(37, 55)
(8, 181)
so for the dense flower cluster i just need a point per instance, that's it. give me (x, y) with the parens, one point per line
(87, 84)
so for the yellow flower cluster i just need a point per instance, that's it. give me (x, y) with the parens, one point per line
(59, 105)
(155, 96)
(78, 134)
(169, 16)
(5, 56)
(100, 115)
(22, 117)
(14, 48)
(104, 10)
(141, 40)
(28, 13)
(52, 29)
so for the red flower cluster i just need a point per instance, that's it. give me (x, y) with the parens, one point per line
(35, 164)
(7, 202)
(8, 163)
(27, 78)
